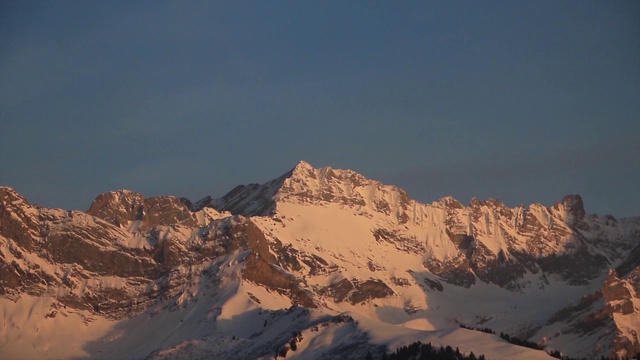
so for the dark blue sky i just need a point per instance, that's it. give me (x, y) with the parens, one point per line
(523, 101)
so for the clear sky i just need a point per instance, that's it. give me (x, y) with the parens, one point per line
(522, 101)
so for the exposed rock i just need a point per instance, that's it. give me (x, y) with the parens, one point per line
(338, 291)
(88, 247)
(248, 200)
(574, 205)
(618, 294)
(118, 207)
(167, 210)
(122, 207)
(259, 271)
(400, 242)
(433, 284)
(128, 253)
(18, 219)
(358, 292)
(631, 262)
(499, 270)
(455, 271)
(368, 290)
(577, 268)
(620, 298)
(600, 313)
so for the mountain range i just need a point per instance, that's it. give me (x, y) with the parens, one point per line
(318, 263)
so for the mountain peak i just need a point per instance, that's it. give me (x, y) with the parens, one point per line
(574, 205)
(303, 165)
(118, 207)
(306, 185)
(302, 170)
(451, 202)
(9, 195)
(122, 207)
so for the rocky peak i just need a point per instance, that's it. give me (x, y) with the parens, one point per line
(118, 207)
(326, 185)
(302, 169)
(574, 205)
(325, 177)
(302, 184)
(18, 218)
(12, 202)
(450, 202)
(9, 195)
(570, 210)
(307, 185)
(122, 207)
(490, 203)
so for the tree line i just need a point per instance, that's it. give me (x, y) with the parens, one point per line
(420, 351)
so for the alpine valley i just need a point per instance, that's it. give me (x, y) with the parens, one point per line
(315, 264)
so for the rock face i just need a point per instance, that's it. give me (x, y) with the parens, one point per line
(333, 240)
(118, 207)
(307, 185)
(574, 206)
(487, 241)
(623, 304)
(54, 251)
(123, 207)
(607, 316)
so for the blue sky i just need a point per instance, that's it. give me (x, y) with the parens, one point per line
(522, 101)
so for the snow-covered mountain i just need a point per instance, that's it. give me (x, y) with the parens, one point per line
(317, 263)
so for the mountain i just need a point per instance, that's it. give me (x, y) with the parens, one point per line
(316, 263)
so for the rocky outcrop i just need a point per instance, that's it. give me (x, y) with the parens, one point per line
(18, 219)
(574, 206)
(618, 294)
(608, 315)
(455, 271)
(65, 252)
(118, 207)
(123, 207)
(622, 305)
(260, 271)
(355, 291)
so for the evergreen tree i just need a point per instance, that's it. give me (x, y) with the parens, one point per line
(422, 351)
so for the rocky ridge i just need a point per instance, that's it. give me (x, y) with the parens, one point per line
(127, 254)
(485, 241)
